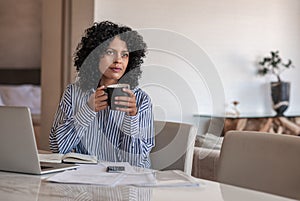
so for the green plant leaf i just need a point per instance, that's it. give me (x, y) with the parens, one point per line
(273, 64)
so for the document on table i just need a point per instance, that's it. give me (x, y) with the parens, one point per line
(173, 178)
(97, 175)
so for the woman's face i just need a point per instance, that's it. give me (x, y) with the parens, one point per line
(114, 61)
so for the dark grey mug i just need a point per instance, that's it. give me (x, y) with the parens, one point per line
(113, 91)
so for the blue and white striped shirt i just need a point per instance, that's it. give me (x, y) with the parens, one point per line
(108, 134)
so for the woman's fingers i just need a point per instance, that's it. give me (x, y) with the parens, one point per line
(127, 103)
(100, 107)
(100, 99)
(100, 92)
(124, 103)
(129, 92)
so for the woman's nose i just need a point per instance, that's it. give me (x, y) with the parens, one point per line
(118, 57)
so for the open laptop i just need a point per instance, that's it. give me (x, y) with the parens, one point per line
(18, 150)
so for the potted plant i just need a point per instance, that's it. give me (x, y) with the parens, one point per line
(280, 90)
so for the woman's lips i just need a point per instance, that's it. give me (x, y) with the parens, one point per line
(116, 69)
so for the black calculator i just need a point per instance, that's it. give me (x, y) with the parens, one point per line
(115, 168)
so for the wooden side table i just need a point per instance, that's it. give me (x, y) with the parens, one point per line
(218, 125)
(280, 125)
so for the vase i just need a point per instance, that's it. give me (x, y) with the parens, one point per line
(280, 92)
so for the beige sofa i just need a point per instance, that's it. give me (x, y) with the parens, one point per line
(205, 163)
(206, 155)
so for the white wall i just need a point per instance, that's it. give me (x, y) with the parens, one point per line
(234, 34)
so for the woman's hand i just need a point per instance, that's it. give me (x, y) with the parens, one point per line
(128, 101)
(98, 100)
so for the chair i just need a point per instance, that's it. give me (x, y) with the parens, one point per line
(261, 161)
(174, 146)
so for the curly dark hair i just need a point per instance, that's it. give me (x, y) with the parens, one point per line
(93, 45)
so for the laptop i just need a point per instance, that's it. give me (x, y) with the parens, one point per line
(18, 150)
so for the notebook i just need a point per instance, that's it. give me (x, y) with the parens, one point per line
(18, 150)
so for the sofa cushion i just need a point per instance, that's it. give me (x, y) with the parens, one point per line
(205, 163)
(21, 95)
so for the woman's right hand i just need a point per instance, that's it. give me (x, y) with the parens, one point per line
(98, 100)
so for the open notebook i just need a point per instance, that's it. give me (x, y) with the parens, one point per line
(18, 150)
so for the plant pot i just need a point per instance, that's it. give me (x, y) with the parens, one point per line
(280, 92)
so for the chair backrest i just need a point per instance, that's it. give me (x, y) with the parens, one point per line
(174, 146)
(261, 161)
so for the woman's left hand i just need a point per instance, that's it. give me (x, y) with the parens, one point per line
(128, 101)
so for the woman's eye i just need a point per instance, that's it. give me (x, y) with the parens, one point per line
(125, 55)
(109, 52)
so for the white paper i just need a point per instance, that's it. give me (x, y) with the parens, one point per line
(51, 158)
(173, 178)
(138, 179)
(87, 174)
(70, 157)
(97, 175)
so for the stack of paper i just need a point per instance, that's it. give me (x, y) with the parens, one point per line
(173, 178)
(96, 174)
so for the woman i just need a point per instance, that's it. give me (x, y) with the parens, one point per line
(84, 123)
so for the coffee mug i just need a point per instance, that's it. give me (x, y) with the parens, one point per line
(113, 91)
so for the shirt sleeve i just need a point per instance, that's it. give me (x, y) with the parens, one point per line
(68, 126)
(138, 133)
